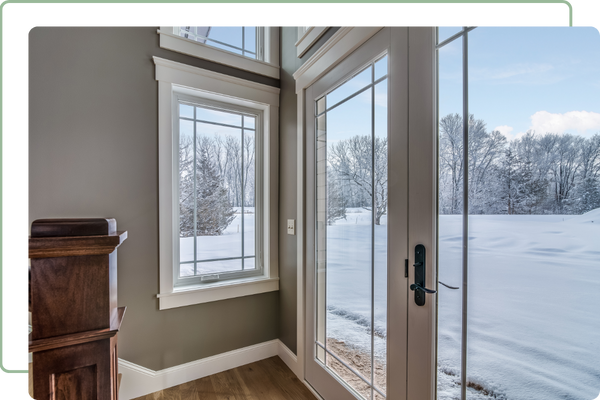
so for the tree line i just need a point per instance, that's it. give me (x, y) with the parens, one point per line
(539, 174)
(222, 182)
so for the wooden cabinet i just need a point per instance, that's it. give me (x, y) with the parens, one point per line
(75, 317)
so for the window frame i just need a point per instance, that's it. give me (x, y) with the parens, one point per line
(176, 80)
(268, 49)
(307, 37)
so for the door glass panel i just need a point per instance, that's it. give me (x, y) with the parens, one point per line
(450, 219)
(534, 258)
(534, 205)
(351, 236)
(358, 82)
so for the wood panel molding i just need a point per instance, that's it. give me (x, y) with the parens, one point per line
(71, 246)
(75, 316)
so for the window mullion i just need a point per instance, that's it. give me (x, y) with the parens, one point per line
(465, 219)
(195, 201)
(243, 194)
(243, 40)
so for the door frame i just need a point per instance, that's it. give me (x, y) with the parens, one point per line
(422, 218)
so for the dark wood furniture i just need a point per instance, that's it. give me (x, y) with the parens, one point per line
(75, 318)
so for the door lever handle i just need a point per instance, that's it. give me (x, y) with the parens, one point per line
(416, 286)
(448, 286)
(419, 286)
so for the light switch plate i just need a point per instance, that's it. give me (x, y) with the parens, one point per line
(291, 226)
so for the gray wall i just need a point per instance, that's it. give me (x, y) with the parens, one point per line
(93, 132)
(93, 153)
(287, 180)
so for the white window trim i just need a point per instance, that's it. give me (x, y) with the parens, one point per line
(269, 67)
(179, 78)
(307, 36)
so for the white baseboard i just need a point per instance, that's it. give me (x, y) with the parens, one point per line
(289, 358)
(139, 381)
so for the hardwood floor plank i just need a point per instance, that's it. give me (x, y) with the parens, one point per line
(227, 387)
(205, 389)
(172, 393)
(187, 391)
(257, 383)
(268, 379)
(285, 379)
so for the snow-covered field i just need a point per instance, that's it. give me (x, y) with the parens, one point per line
(227, 245)
(534, 302)
(534, 298)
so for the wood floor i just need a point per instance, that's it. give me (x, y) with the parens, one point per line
(268, 379)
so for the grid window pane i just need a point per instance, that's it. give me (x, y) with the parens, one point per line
(217, 192)
(235, 39)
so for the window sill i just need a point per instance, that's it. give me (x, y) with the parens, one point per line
(179, 44)
(197, 294)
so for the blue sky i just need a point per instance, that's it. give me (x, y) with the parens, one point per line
(546, 79)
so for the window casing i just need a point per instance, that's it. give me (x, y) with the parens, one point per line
(179, 83)
(265, 63)
(307, 37)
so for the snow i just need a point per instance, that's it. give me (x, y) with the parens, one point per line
(534, 298)
(534, 301)
(229, 244)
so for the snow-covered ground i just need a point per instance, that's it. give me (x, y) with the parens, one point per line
(227, 245)
(534, 298)
(534, 302)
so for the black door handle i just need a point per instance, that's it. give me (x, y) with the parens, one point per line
(419, 286)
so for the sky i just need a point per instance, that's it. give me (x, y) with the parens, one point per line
(543, 79)
(520, 79)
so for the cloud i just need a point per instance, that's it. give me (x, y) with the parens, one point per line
(581, 122)
(507, 132)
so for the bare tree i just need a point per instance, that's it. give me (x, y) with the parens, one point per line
(354, 160)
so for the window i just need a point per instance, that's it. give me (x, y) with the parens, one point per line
(254, 49)
(217, 191)
(217, 185)
(243, 40)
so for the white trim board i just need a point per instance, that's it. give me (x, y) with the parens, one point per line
(139, 381)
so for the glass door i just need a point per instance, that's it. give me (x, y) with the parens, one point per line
(358, 237)
(519, 224)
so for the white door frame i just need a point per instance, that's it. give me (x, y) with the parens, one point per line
(340, 45)
(422, 218)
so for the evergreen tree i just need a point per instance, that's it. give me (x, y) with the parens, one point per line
(214, 211)
(588, 195)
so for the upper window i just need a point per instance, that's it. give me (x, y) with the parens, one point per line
(243, 40)
(251, 48)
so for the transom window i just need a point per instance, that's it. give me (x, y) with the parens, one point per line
(217, 193)
(245, 41)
